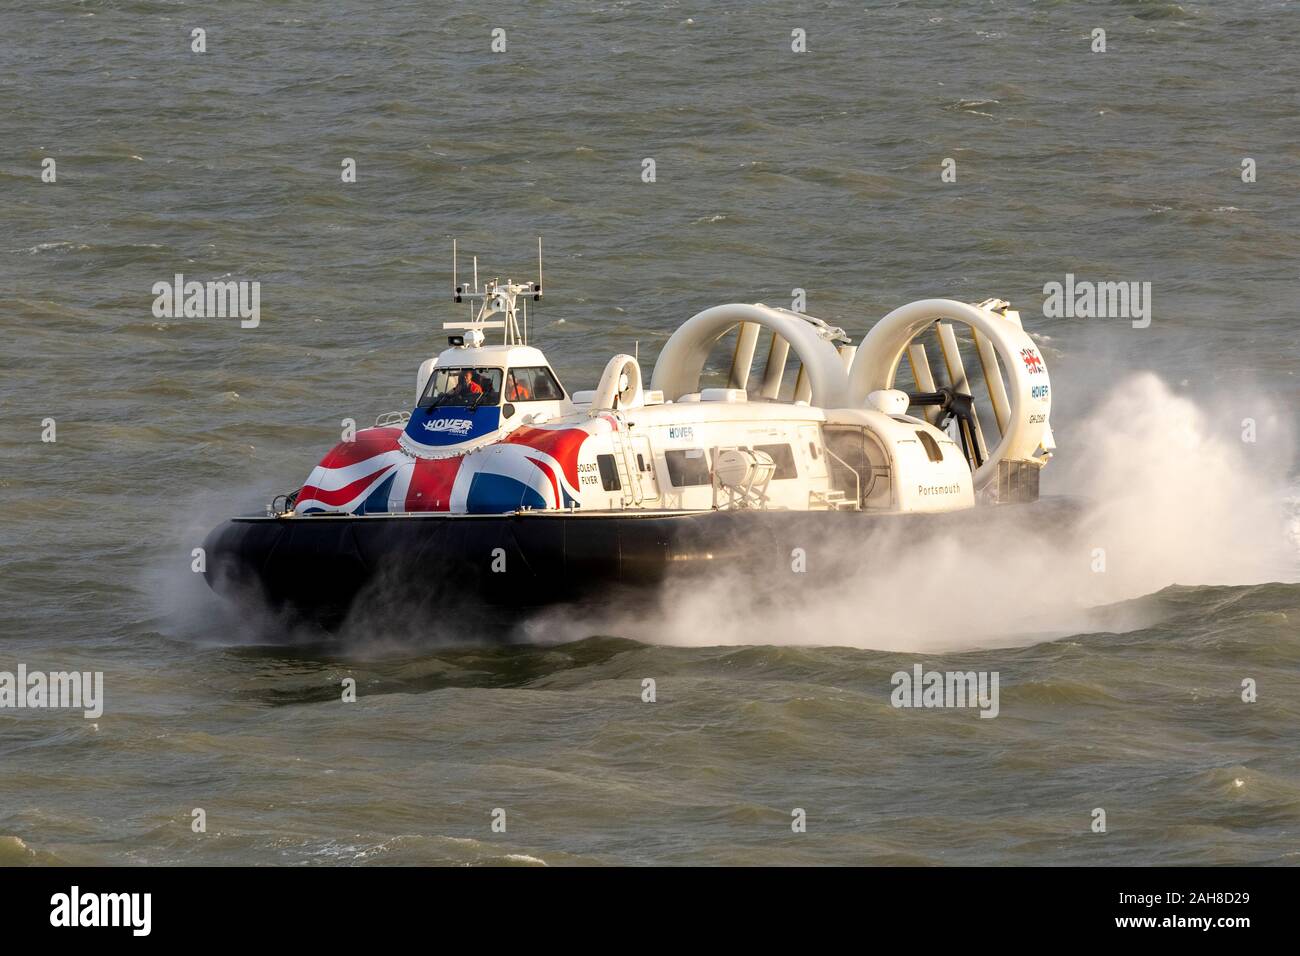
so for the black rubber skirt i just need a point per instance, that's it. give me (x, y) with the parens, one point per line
(317, 567)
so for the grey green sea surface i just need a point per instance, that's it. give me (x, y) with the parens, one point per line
(1120, 689)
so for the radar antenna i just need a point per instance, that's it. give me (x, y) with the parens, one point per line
(496, 297)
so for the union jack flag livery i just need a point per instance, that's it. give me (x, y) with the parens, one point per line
(532, 467)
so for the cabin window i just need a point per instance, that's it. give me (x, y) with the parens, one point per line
(783, 455)
(931, 446)
(533, 384)
(687, 466)
(608, 473)
(462, 386)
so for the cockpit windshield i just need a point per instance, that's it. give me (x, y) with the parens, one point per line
(462, 386)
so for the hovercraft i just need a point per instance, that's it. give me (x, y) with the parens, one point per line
(502, 489)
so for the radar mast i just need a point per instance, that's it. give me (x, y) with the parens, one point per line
(507, 299)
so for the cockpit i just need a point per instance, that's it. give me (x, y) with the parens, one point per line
(464, 387)
(474, 387)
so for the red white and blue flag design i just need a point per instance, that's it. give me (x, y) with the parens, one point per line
(356, 477)
(532, 467)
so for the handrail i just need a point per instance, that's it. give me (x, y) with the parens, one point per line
(857, 478)
(277, 510)
(633, 475)
(389, 419)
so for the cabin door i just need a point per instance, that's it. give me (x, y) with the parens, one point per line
(644, 462)
(847, 461)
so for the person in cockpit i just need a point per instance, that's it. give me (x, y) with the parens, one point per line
(516, 391)
(470, 389)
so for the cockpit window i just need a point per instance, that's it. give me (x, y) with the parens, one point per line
(535, 384)
(462, 386)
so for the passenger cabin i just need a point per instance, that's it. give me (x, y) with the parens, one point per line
(719, 448)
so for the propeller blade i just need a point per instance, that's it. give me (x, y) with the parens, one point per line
(922, 375)
(957, 378)
(993, 380)
(777, 353)
(742, 360)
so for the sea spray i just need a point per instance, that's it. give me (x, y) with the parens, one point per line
(1173, 498)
